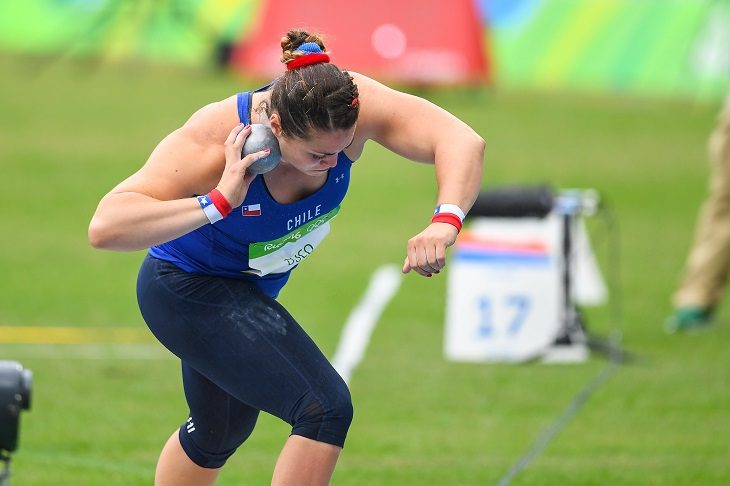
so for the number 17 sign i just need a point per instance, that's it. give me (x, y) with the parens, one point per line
(504, 300)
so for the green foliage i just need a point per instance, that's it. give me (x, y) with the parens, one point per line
(69, 133)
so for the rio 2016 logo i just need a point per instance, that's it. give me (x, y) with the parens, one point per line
(275, 246)
(316, 224)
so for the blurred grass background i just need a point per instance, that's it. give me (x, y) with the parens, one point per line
(70, 132)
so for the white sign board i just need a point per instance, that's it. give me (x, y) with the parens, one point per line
(505, 297)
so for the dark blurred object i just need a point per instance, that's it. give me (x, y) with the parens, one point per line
(514, 202)
(223, 53)
(15, 391)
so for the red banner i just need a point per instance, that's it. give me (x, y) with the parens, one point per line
(409, 41)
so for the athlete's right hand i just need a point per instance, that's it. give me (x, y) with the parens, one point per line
(235, 180)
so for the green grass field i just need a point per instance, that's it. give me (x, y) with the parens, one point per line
(100, 414)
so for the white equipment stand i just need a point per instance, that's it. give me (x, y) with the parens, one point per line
(515, 277)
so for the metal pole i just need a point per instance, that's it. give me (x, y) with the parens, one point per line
(5, 468)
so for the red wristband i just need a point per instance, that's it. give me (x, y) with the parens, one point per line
(220, 202)
(450, 218)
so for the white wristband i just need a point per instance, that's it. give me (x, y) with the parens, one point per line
(450, 209)
(206, 203)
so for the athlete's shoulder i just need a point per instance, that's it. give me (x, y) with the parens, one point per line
(366, 84)
(212, 122)
(378, 102)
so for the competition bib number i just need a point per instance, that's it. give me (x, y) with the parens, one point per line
(283, 254)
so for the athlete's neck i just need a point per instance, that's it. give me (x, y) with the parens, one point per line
(261, 107)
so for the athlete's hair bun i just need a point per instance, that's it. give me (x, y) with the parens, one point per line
(294, 40)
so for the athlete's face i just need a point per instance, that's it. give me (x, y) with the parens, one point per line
(318, 154)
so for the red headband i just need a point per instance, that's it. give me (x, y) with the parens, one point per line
(306, 60)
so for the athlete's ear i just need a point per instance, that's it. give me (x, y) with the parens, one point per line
(275, 123)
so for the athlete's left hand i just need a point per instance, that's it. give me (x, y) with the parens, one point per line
(427, 250)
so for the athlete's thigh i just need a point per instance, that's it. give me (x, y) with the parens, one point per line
(263, 357)
(239, 338)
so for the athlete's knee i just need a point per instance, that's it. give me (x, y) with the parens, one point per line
(210, 447)
(324, 417)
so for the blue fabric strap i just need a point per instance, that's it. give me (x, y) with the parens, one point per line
(244, 102)
(309, 48)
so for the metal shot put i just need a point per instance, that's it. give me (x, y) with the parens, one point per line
(261, 138)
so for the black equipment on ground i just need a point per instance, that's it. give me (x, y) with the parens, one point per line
(15, 393)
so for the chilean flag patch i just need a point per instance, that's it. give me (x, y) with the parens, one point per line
(251, 210)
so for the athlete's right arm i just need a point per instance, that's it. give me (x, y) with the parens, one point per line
(156, 204)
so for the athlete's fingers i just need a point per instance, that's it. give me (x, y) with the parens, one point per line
(431, 263)
(425, 251)
(254, 156)
(416, 258)
(411, 257)
(241, 137)
(234, 143)
(406, 265)
(236, 179)
(235, 131)
(440, 256)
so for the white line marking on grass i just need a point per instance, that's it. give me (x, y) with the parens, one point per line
(85, 351)
(362, 320)
(559, 424)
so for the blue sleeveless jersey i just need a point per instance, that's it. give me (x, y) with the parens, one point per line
(261, 240)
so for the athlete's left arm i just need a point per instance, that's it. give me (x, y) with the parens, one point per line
(421, 131)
